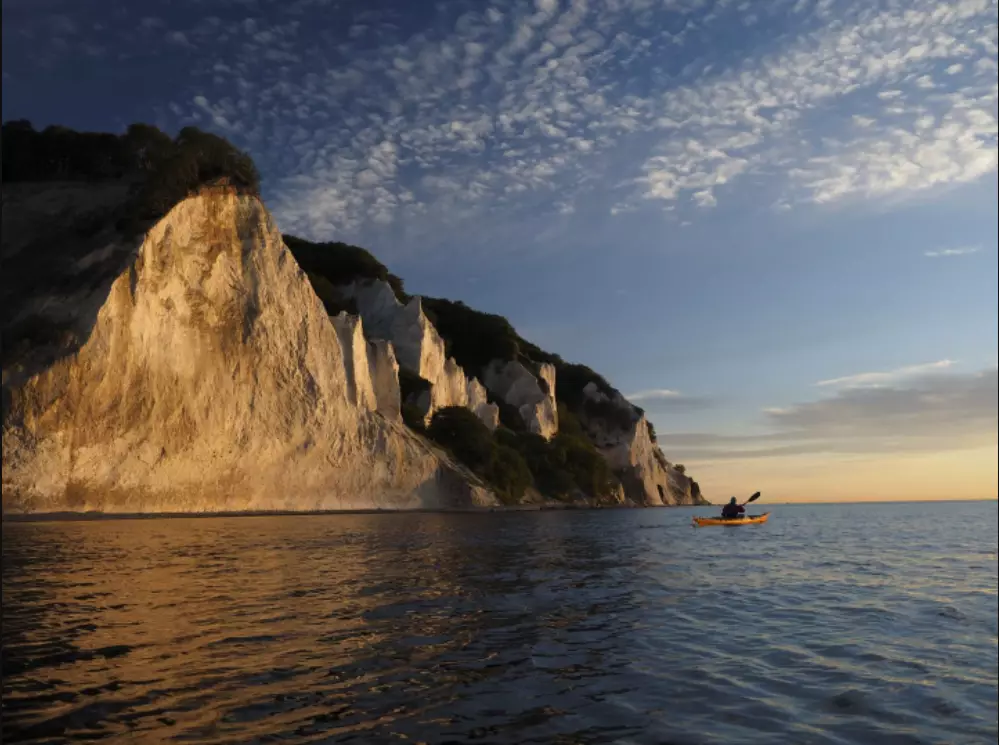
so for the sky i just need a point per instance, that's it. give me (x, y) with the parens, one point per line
(772, 224)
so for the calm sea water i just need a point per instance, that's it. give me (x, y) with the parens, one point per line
(830, 624)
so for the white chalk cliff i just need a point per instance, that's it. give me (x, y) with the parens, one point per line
(532, 396)
(370, 367)
(647, 476)
(212, 379)
(419, 348)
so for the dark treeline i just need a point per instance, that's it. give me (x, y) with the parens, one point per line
(168, 169)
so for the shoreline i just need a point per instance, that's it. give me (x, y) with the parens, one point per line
(29, 517)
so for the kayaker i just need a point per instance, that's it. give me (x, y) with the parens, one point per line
(733, 510)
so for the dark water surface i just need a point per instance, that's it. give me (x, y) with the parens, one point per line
(830, 624)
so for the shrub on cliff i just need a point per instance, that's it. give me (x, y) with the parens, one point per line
(333, 302)
(464, 434)
(197, 159)
(611, 413)
(169, 170)
(509, 415)
(472, 337)
(194, 158)
(568, 422)
(546, 465)
(341, 263)
(412, 417)
(471, 442)
(509, 474)
(567, 464)
(571, 379)
(411, 385)
(582, 460)
(587, 467)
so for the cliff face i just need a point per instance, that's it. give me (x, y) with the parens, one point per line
(619, 430)
(420, 349)
(532, 396)
(626, 441)
(207, 377)
(171, 353)
(515, 373)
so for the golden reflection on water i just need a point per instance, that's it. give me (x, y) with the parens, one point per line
(556, 627)
(216, 617)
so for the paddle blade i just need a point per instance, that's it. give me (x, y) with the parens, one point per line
(753, 498)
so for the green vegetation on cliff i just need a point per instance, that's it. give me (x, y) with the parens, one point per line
(474, 338)
(566, 467)
(568, 464)
(164, 170)
(341, 263)
(470, 441)
(145, 170)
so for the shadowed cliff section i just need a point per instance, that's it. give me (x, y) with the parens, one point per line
(75, 208)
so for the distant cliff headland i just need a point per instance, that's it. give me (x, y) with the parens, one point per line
(167, 349)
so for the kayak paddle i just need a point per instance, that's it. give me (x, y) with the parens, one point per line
(752, 498)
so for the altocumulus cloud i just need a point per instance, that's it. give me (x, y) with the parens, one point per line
(364, 118)
(928, 413)
(498, 109)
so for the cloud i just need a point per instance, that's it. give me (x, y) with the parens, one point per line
(537, 95)
(179, 38)
(961, 251)
(654, 394)
(667, 398)
(530, 105)
(957, 146)
(889, 376)
(936, 407)
(931, 413)
(705, 198)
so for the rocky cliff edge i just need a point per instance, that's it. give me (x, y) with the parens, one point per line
(194, 369)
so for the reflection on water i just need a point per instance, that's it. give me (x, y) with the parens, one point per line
(827, 625)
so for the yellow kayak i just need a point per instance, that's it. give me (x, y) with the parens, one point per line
(748, 520)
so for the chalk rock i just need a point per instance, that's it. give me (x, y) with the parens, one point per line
(478, 402)
(647, 476)
(419, 348)
(385, 378)
(212, 380)
(357, 368)
(371, 368)
(532, 396)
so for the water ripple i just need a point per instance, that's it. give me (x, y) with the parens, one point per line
(829, 625)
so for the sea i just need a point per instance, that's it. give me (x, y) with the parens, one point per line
(828, 625)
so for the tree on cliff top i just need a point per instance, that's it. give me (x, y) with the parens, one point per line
(197, 159)
(475, 339)
(472, 337)
(193, 158)
(341, 263)
(169, 170)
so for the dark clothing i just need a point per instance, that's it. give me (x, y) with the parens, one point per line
(732, 511)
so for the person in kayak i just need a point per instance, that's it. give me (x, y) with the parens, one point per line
(733, 510)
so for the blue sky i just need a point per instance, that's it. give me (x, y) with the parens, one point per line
(718, 205)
